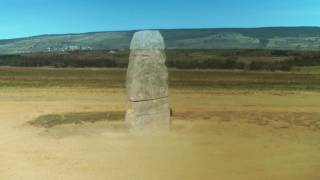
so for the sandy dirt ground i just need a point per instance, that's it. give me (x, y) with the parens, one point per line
(225, 135)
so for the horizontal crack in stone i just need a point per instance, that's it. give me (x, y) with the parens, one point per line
(150, 99)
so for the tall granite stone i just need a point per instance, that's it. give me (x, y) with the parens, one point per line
(147, 83)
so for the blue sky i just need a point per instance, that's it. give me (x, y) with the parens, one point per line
(20, 18)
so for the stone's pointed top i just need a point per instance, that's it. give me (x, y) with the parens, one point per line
(147, 40)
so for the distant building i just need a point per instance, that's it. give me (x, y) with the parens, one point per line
(112, 52)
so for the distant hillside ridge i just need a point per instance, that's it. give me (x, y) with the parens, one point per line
(282, 38)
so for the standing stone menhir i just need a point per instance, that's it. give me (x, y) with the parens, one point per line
(147, 83)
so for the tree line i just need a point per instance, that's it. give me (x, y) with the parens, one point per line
(179, 60)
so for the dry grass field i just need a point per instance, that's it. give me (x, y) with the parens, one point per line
(67, 124)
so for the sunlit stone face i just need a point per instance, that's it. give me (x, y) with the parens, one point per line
(147, 82)
(147, 40)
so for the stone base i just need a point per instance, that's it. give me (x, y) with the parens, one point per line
(149, 116)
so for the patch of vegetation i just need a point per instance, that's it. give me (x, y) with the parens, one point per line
(178, 79)
(246, 59)
(51, 120)
(311, 69)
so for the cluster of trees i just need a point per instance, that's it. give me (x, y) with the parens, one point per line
(284, 65)
(192, 59)
(206, 64)
(306, 61)
(61, 60)
(229, 59)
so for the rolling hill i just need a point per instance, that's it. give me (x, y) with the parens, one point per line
(286, 38)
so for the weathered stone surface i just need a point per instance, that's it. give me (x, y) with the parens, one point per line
(147, 83)
(152, 116)
(147, 75)
(151, 40)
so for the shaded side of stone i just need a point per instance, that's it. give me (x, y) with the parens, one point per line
(150, 116)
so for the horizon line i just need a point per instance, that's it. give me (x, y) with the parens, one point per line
(134, 30)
